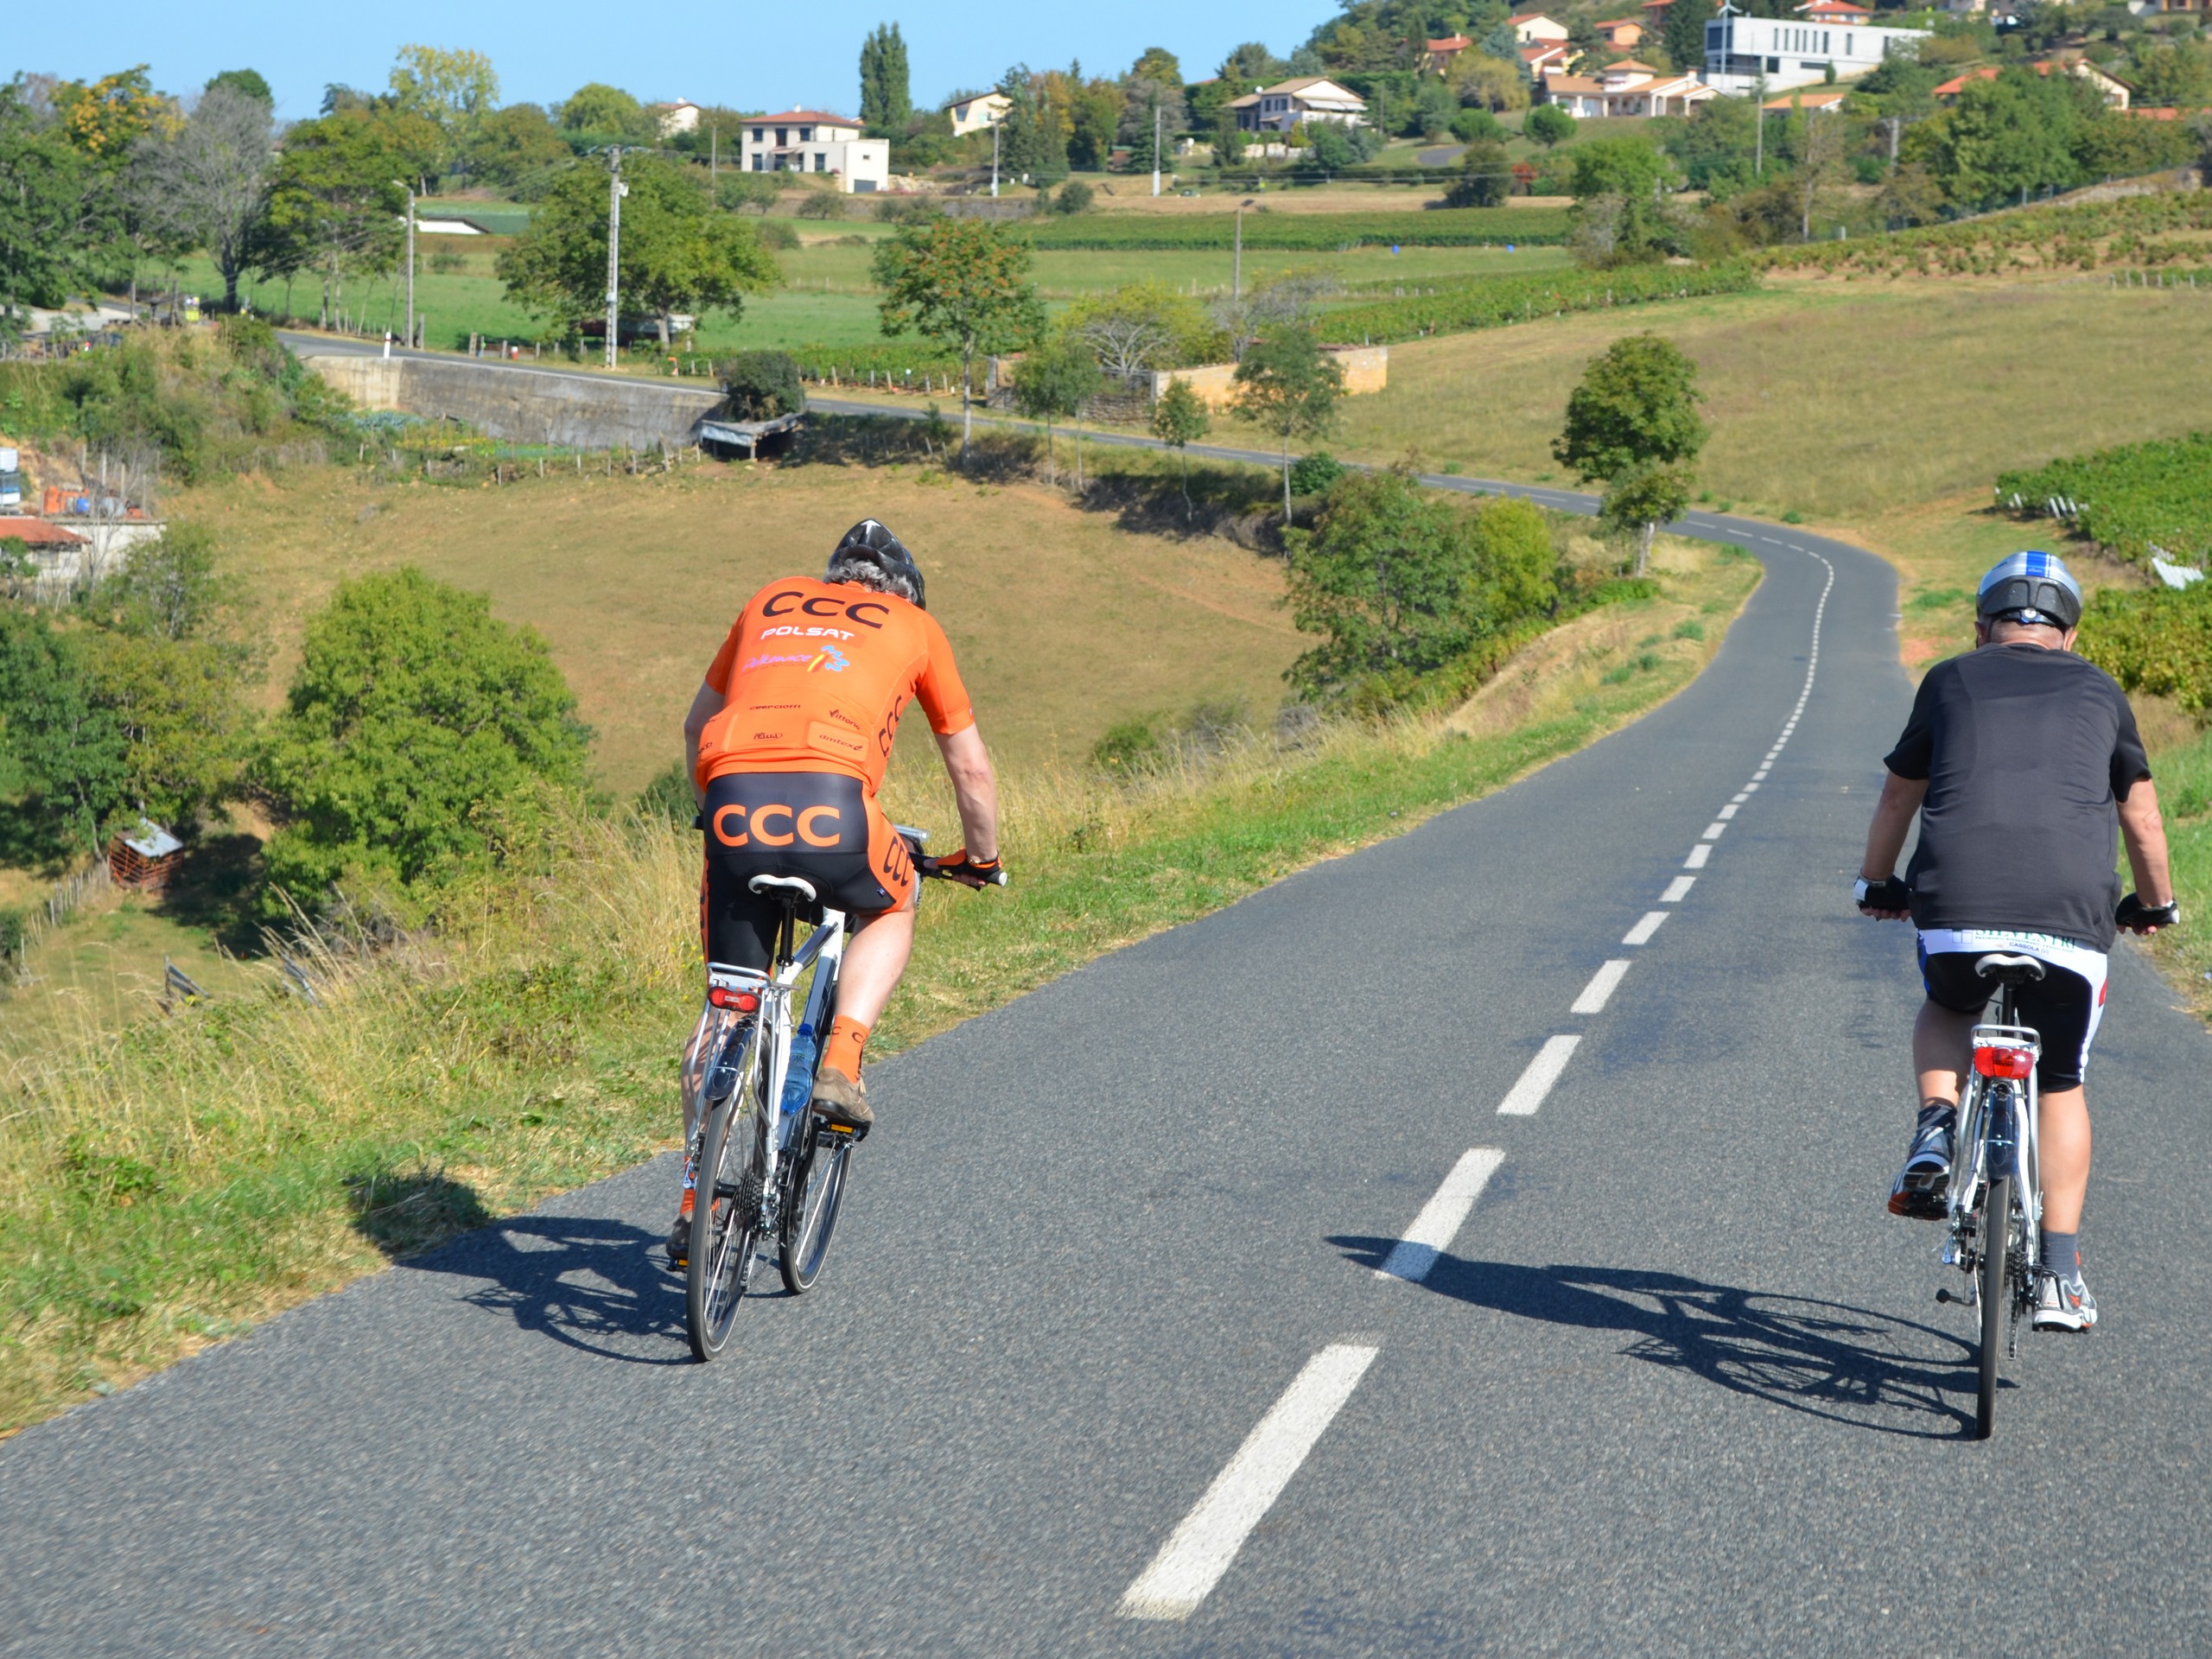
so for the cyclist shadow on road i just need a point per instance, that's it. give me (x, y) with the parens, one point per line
(1828, 1359)
(588, 1281)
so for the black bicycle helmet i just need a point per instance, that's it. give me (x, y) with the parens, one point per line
(871, 542)
(2031, 588)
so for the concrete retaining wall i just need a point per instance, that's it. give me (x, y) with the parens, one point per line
(580, 411)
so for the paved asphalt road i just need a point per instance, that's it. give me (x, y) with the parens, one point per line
(1105, 1304)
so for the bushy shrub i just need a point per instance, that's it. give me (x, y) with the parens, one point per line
(2154, 640)
(1315, 475)
(763, 385)
(821, 203)
(778, 234)
(1074, 197)
(1470, 125)
(415, 718)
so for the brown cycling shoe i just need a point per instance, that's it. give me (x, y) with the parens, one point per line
(842, 1100)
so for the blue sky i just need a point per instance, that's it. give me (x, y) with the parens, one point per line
(748, 57)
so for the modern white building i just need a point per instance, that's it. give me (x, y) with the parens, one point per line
(1792, 51)
(1288, 104)
(810, 141)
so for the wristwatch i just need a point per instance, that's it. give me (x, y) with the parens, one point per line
(1860, 889)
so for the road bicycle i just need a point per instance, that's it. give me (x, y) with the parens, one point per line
(768, 1174)
(1995, 1203)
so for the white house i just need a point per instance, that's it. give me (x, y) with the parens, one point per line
(975, 114)
(810, 141)
(1791, 52)
(1288, 104)
(683, 116)
(1626, 88)
(1529, 27)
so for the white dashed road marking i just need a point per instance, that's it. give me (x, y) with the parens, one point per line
(1440, 1218)
(1641, 932)
(1199, 1551)
(1698, 853)
(1712, 831)
(1601, 985)
(1678, 889)
(1526, 1095)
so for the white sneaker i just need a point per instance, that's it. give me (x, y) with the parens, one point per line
(2063, 1304)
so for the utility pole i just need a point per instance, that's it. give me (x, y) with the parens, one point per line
(1155, 143)
(714, 152)
(1236, 265)
(615, 191)
(411, 265)
(1895, 122)
(994, 161)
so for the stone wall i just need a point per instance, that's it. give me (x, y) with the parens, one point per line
(578, 411)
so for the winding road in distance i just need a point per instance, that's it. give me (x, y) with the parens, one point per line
(1472, 1246)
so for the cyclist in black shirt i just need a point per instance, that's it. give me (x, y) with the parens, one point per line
(2020, 759)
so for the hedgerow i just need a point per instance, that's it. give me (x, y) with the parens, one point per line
(1454, 227)
(2133, 501)
(1491, 302)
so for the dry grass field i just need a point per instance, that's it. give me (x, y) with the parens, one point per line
(1064, 622)
(1843, 402)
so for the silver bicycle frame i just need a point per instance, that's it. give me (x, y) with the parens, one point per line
(2027, 1161)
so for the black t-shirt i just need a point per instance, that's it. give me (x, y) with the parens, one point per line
(2025, 752)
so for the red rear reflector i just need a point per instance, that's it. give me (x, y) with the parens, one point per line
(743, 1002)
(2004, 1061)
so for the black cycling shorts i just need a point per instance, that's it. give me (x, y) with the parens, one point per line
(2061, 1006)
(822, 826)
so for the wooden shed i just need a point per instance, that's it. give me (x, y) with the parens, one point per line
(145, 859)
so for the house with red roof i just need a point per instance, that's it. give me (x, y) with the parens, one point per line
(2116, 92)
(1441, 53)
(1623, 34)
(1546, 57)
(815, 140)
(1834, 11)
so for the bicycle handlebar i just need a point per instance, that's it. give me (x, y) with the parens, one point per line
(958, 868)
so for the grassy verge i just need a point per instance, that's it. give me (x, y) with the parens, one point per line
(164, 1190)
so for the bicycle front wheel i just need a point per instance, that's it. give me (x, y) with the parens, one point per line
(1995, 1297)
(725, 1223)
(817, 1189)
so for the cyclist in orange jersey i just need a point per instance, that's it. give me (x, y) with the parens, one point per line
(787, 742)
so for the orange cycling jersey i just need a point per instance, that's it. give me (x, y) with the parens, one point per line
(816, 675)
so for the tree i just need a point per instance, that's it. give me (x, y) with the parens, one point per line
(49, 221)
(1484, 81)
(1683, 35)
(1911, 195)
(678, 252)
(1288, 386)
(413, 710)
(1486, 177)
(1033, 142)
(451, 90)
(1401, 582)
(1094, 107)
(1633, 423)
(336, 205)
(208, 176)
(961, 282)
(1142, 326)
(887, 105)
(1999, 140)
(517, 148)
(62, 753)
(1152, 99)
(1179, 419)
(1052, 383)
(106, 119)
(1640, 500)
(1249, 66)
(606, 111)
(1549, 126)
(248, 81)
(1819, 144)
(2173, 77)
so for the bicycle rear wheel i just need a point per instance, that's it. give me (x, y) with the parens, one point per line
(725, 1223)
(1995, 1298)
(817, 1189)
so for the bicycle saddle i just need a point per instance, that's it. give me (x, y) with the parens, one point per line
(2009, 970)
(794, 885)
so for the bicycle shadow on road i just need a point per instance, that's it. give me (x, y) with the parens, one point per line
(1848, 1364)
(596, 1285)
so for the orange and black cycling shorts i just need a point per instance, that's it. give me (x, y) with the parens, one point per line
(822, 826)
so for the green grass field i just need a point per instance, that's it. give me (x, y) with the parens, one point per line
(829, 299)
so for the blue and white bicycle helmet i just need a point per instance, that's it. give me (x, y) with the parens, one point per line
(2033, 588)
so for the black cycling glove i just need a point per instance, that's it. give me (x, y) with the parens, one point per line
(2134, 915)
(1888, 893)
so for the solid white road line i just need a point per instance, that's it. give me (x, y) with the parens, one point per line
(1641, 932)
(1439, 1220)
(1601, 985)
(1199, 1551)
(1698, 853)
(1526, 1095)
(1678, 889)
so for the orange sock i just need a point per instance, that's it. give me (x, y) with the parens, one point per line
(847, 1039)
